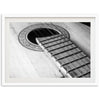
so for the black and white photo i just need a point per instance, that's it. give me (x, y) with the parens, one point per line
(48, 50)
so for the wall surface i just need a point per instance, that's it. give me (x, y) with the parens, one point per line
(61, 7)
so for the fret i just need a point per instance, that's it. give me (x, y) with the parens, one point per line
(83, 75)
(75, 65)
(87, 67)
(53, 39)
(69, 67)
(66, 54)
(43, 39)
(81, 62)
(83, 70)
(63, 50)
(56, 42)
(71, 59)
(59, 46)
(74, 73)
(87, 75)
(68, 49)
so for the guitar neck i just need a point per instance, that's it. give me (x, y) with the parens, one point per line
(69, 58)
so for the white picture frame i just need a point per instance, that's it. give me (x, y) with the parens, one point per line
(93, 81)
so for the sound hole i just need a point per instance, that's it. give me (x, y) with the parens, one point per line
(40, 32)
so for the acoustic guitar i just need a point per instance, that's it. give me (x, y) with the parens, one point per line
(48, 50)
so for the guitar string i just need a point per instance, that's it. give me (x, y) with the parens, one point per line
(51, 34)
(64, 42)
(72, 64)
(77, 56)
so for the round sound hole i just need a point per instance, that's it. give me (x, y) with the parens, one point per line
(27, 37)
(40, 32)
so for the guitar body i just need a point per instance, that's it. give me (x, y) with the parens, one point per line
(31, 62)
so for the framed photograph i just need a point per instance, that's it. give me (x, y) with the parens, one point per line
(48, 50)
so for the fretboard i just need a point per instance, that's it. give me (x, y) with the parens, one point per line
(72, 61)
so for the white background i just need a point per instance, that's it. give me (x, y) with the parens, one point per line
(52, 7)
